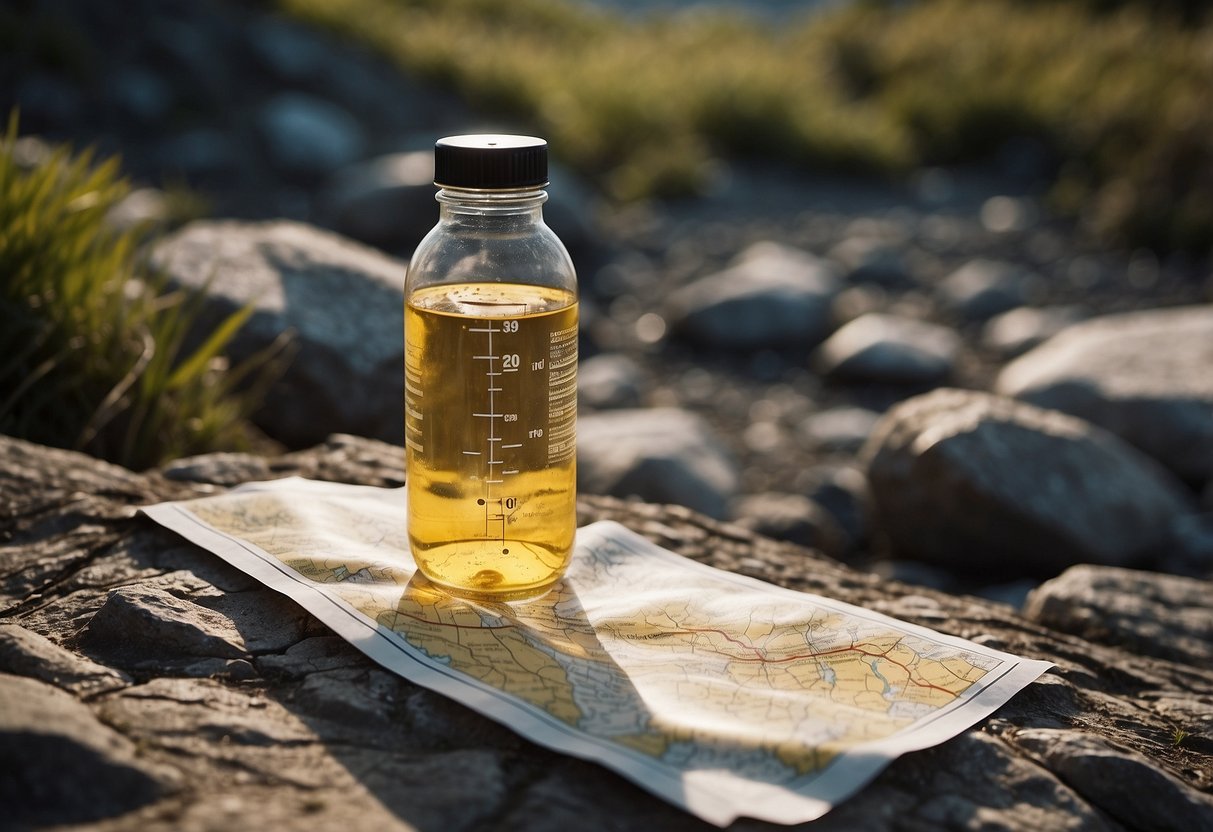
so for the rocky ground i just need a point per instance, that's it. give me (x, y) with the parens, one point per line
(147, 685)
(932, 381)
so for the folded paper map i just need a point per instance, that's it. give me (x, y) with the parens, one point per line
(722, 694)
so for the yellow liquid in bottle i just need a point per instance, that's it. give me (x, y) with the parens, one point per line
(490, 435)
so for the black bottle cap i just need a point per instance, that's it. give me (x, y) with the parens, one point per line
(491, 162)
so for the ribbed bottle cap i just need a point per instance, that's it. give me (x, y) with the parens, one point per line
(489, 161)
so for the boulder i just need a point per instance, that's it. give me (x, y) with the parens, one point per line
(842, 490)
(1144, 376)
(985, 484)
(201, 152)
(387, 201)
(773, 296)
(981, 289)
(342, 303)
(1015, 332)
(315, 736)
(1167, 616)
(889, 349)
(149, 621)
(791, 517)
(842, 429)
(293, 52)
(869, 260)
(609, 381)
(663, 455)
(309, 136)
(1189, 548)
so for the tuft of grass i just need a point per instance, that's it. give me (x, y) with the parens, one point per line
(91, 343)
(1122, 100)
(1178, 736)
(1117, 92)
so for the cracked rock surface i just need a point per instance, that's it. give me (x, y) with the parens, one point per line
(144, 684)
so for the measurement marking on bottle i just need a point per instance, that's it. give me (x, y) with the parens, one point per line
(489, 415)
(489, 329)
(513, 471)
(494, 482)
(471, 453)
(485, 357)
(516, 445)
(496, 389)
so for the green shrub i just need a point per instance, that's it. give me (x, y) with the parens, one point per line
(1121, 96)
(91, 344)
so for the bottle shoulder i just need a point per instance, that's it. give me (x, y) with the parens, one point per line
(459, 253)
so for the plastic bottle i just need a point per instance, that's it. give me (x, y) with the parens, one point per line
(491, 377)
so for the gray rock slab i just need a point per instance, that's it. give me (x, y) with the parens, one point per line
(26, 653)
(1154, 614)
(193, 715)
(267, 750)
(150, 621)
(889, 348)
(1117, 779)
(774, 296)
(463, 787)
(356, 695)
(1145, 376)
(981, 483)
(268, 622)
(342, 303)
(663, 455)
(62, 765)
(311, 655)
(223, 468)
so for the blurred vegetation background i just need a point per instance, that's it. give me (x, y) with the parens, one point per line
(1108, 102)
(1116, 97)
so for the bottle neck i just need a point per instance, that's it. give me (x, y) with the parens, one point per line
(458, 204)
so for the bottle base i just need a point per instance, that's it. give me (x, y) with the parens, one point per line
(510, 594)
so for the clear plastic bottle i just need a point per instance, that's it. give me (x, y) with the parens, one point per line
(491, 377)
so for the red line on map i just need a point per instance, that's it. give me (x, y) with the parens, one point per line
(763, 659)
